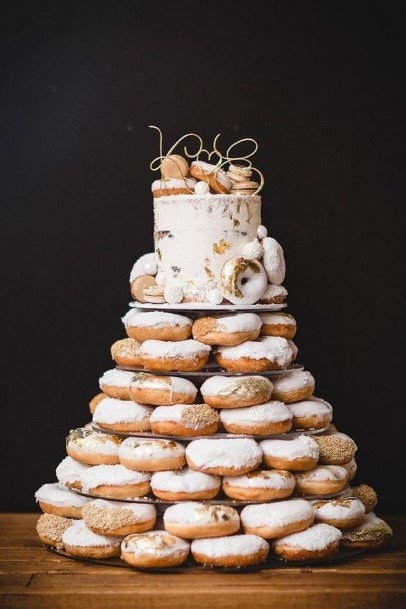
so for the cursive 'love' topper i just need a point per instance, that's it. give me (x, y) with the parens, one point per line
(215, 157)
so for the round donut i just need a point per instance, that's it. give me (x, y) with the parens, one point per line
(172, 186)
(278, 324)
(160, 390)
(151, 455)
(242, 280)
(261, 485)
(122, 415)
(273, 261)
(185, 420)
(298, 454)
(156, 325)
(69, 472)
(116, 383)
(319, 541)
(117, 518)
(56, 499)
(268, 353)
(271, 520)
(345, 513)
(195, 520)
(351, 468)
(228, 457)
(336, 449)
(232, 551)
(91, 447)
(274, 294)
(371, 533)
(174, 166)
(295, 386)
(50, 529)
(126, 353)
(95, 401)
(322, 480)
(216, 177)
(154, 549)
(311, 414)
(227, 329)
(184, 485)
(264, 419)
(186, 355)
(80, 541)
(115, 482)
(236, 391)
(367, 495)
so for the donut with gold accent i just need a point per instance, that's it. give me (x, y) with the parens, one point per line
(372, 532)
(159, 390)
(236, 391)
(278, 324)
(126, 353)
(318, 541)
(185, 420)
(260, 485)
(156, 325)
(227, 329)
(116, 518)
(242, 280)
(91, 447)
(154, 549)
(343, 513)
(194, 520)
(151, 455)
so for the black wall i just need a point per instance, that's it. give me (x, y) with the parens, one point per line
(316, 83)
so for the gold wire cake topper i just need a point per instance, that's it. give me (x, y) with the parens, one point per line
(240, 161)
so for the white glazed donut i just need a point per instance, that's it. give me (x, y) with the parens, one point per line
(69, 471)
(184, 355)
(154, 549)
(278, 324)
(151, 455)
(274, 261)
(195, 520)
(260, 485)
(293, 387)
(343, 513)
(228, 457)
(264, 419)
(298, 454)
(146, 265)
(274, 294)
(227, 329)
(311, 414)
(243, 280)
(184, 484)
(230, 551)
(319, 541)
(161, 390)
(115, 482)
(267, 353)
(57, 499)
(116, 383)
(271, 520)
(117, 518)
(236, 391)
(122, 415)
(91, 447)
(156, 325)
(322, 480)
(80, 541)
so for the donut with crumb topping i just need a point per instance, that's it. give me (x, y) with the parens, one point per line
(367, 495)
(50, 529)
(125, 352)
(117, 518)
(185, 420)
(335, 449)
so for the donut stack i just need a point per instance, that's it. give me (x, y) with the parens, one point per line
(207, 443)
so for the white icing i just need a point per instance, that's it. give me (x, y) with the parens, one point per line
(232, 545)
(142, 511)
(243, 283)
(173, 183)
(270, 479)
(154, 543)
(59, 496)
(93, 442)
(145, 265)
(295, 380)
(179, 349)
(116, 378)
(274, 319)
(79, 535)
(315, 538)
(173, 293)
(270, 412)
(274, 261)
(273, 348)
(216, 385)
(277, 513)
(297, 448)
(274, 291)
(175, 414)
(215, 297)
(184, 481)
(262, 232)
(193, 512)
(322, 473)
(239, 322)
(111, 410)
(312, 408)
(345, 509)
(137, 448)
(69, 471)
(154, 319)
(253, 249)
(111, 475)
(202, 188)
(177, 384)
(233, 452)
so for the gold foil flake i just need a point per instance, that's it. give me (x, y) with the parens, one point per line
(230, 273)
(158, 254)
(244, 387)
(236, 223)
(208, 271)
(221, 247)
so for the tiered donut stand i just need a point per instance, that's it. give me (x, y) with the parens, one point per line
(198, 377)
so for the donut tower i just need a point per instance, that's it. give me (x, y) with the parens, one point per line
(208, 445)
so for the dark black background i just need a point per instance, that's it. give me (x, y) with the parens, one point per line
(317, 83)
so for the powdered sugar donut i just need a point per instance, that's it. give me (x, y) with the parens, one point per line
(154, 549)
(80, 541)
(311, 414)
(96, 400)
(230, 457)
(115, 482)
(232, 551)
(162, 390)
(319, 541)
(242, 280)
(322, 480)
(69, 471)
(156, 325)
(228, 329)
(185, 420)
(293, 387)
(274, 261)
(195, 520)
(371, 533)
(274, 294)
(50, 529)
(264, 419)
(336, 449)
(271, 520)
(298, 454)
(186, 355)
(236, 391)
(268, 353)
(215, 176)
(122, 415)
(345, 513)
(91, 447)
(351, 468)
(57, 499)
(184, 484)
(151, 455)
(260, 485)
(172, 186)
(278, 324)
(117, 518)
(116, 383)
(126, 352)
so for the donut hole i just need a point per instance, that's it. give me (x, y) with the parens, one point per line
(244, 280)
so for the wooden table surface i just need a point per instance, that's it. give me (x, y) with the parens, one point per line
(31, 577)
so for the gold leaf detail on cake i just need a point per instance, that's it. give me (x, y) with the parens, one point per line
(221, 247)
